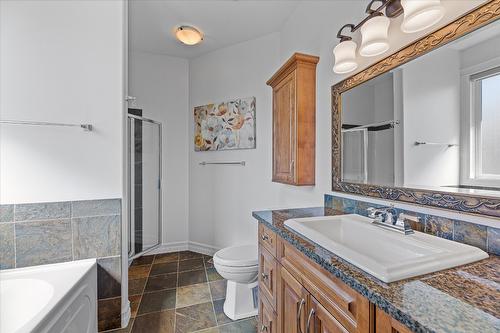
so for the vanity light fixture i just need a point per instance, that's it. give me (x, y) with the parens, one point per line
(374, 33)
(188, 35)
(345, 53)
(418, 15)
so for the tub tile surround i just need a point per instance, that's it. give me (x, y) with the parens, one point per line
(483, 237)
(468, 293)
(7, 255)
(44, 233)
(43, 242)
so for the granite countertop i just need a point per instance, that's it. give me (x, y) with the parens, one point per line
(462, 299)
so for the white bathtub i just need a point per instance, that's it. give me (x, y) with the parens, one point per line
(49, 298)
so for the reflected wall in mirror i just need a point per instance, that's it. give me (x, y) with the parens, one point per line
(425, 121)
(433, 122)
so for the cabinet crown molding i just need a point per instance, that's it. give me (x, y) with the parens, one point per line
(291, 64)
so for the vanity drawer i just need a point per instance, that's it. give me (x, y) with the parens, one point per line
(268, 269)
(347, 306)
(268, 239)
(268, 322)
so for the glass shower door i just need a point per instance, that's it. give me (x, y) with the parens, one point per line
(354, 162)
(144, 137)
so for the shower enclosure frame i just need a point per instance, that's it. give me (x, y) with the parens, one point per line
(131, 249)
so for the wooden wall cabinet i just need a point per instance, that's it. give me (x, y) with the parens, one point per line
(294, 120)
(295, 291)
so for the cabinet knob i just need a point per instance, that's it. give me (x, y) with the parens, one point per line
(263, 328)
(264, 276)
(265, 237)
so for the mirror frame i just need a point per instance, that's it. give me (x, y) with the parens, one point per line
(466, 203)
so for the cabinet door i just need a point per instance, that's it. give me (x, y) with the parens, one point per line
(267, 317)
(386, 324)
(321, 321)
(292, 304)
(284, 123)
(267, 275)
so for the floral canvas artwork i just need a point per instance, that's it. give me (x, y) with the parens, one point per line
(225, 126)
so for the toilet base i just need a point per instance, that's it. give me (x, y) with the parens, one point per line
(239, 300)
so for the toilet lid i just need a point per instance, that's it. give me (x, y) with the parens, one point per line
(244, 255)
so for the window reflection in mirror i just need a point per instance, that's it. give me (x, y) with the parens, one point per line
(432, 123)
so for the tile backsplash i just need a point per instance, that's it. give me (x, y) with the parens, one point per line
(45, 233)
(483, 237)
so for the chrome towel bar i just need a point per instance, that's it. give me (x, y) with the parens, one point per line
(419, 143)
(224, 163)
(85, 127)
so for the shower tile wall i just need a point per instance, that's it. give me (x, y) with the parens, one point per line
(45, 233)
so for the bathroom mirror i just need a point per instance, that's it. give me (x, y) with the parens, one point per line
(423, 125)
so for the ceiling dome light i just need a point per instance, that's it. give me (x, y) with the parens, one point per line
(374, 36)
(345, 57)
(188, 35)
(421, 14)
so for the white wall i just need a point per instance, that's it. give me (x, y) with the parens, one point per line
(222, 198)
(160, 84)
(61, 62)
(480, 53)
(383, 141)
(432, 114)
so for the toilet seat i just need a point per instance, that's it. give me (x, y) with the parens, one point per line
(245, 256)
(237, 269)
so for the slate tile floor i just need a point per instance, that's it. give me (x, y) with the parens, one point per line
(179, 292)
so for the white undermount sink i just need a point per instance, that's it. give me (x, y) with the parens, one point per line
(385, 254)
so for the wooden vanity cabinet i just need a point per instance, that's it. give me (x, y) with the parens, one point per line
(267, 317)
(386, 324)
(293, 289)
(293, 301)
(322, 320)
(303, 290)
(294, 120)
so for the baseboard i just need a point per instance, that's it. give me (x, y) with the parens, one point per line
(125, 314)
(170, 247)
(203, 248)
(183, 246)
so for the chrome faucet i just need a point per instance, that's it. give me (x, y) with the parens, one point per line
(386, 217)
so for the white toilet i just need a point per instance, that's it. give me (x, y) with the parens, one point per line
(239, 265)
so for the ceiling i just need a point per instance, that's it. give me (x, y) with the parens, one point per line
(224, 22)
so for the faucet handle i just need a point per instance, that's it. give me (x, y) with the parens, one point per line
(372, 212)
(403, 219)
(404, 216)
(384, 213)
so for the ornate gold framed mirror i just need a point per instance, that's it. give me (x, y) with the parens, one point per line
(422, 126)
